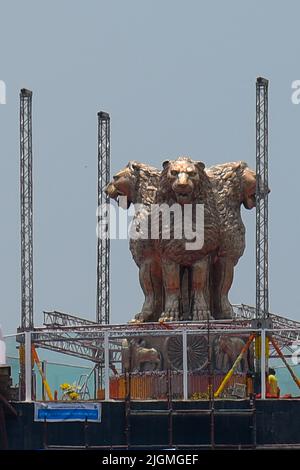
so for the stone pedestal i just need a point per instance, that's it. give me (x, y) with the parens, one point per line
(147, 353)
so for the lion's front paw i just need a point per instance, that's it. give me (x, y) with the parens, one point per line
(171, 312)
(200, 309)
(139, 318)
(170, 315)
(200, 314)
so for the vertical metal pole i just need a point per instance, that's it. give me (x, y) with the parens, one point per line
(96, 381)
(26, 206)
(103, 242)
(263, 364)
(185, 365)
(28, 367)
(26, 212)
(262, 129)
(44, 370)
(106, 364)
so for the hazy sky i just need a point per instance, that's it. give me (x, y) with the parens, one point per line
(177, 78)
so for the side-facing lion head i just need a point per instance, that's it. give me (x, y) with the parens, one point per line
(249, 186)
(136, 182)
(235, 182)
(182, 177)
(248, 189)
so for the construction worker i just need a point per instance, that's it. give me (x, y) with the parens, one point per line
(272, 389)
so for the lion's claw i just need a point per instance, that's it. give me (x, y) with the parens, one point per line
(171, 312)
(169, 315)
(200, 314)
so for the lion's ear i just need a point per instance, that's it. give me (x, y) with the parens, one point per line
(165, 164)
(132, 165)
(243, 165)
(200, 165)
(239, 165)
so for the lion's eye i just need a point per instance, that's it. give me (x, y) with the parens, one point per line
(192, 174)
(174, 173)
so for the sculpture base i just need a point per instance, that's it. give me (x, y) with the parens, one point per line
(159, 385)
(152, 353)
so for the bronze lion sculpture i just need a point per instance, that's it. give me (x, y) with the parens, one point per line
(184, 185)
(180, 283)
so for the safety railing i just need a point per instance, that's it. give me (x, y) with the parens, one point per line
(148, 362)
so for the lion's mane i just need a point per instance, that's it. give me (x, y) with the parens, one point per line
(203, 194)
(228, 183)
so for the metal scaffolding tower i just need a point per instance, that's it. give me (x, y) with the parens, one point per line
(26, 210)
(103, 242)
(262, 288)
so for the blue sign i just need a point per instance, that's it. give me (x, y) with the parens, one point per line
(57, 412)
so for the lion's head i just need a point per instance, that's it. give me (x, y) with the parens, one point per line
(248, 188)
(183, 178)
(235, 181)
(137, 182)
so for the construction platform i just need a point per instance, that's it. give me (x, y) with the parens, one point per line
(158, 424)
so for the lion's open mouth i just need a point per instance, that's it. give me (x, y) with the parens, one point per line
(250, 201)
(118, 196)
(183, 197)
(122, 200)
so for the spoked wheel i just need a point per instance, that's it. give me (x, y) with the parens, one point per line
(197, 353)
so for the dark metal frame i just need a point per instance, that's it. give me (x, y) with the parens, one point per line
(170, 412)
(26, 202)
(262, 286)
(103, 244)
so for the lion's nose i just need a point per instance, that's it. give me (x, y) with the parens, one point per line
(182, 179)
